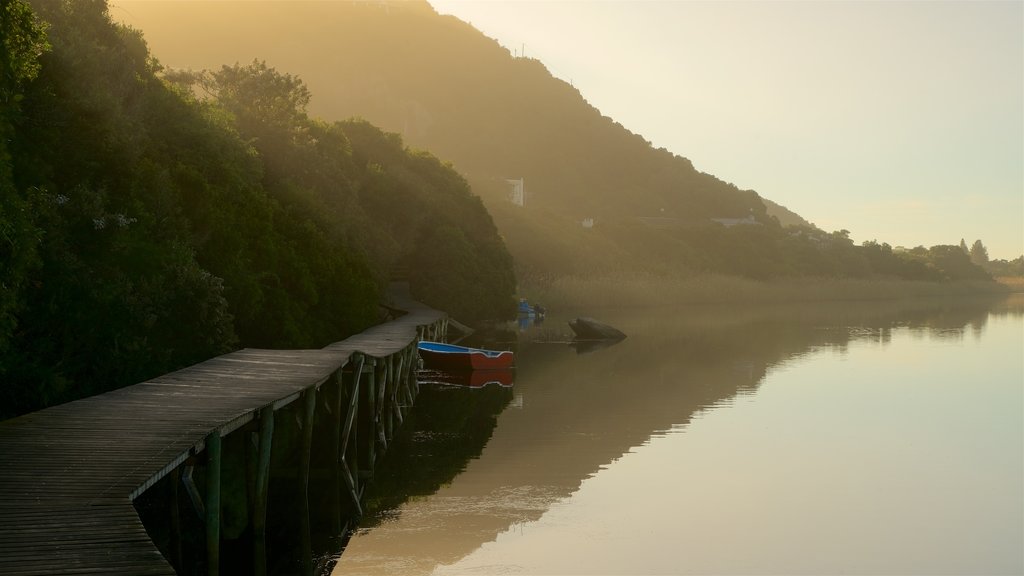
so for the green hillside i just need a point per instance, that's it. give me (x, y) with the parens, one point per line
(598, 198)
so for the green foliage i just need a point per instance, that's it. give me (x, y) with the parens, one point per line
(23, 41)
(978, 253)
(953, 264)
(414, 216)
(143, 229)
(1006, 268)
(448, 246)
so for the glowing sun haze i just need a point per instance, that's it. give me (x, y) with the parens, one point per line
(902, 122)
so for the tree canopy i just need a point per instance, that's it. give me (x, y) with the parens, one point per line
(144, 227)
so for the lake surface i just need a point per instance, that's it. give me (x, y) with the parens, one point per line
(851, 439)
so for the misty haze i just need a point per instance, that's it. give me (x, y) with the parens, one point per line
(466, 287)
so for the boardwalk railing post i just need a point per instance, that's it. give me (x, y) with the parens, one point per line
(259, 514)
(213, 459)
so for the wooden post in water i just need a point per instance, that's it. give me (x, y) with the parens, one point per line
(259, 513)
(213, 458)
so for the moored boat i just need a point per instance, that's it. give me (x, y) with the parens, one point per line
(590, 329)
(440, 356)
(530, 310)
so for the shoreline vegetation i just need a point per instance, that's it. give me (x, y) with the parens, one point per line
(650, 290)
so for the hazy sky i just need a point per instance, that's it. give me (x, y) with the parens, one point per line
(901, 122)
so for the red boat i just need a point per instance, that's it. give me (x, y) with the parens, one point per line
(440, 356)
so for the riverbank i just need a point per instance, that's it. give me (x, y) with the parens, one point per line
(616, 290)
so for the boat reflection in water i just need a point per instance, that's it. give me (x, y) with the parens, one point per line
(467, 378)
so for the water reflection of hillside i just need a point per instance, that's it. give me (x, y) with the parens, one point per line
(575, 414)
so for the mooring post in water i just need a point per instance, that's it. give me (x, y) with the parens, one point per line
(213, 458)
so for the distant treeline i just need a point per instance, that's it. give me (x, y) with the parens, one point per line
(149, 221)
(979, 255)
(768, 251)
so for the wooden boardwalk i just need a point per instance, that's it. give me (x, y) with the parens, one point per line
(69, 474)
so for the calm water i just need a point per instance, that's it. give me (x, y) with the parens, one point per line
(862, 439)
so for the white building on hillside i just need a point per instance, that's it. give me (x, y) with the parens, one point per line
(516, 193)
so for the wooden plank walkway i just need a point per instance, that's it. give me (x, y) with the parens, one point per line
(69, 474)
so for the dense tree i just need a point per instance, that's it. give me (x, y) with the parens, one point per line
(954, 264)
(1007, 268)
(979, 254)
(23, 42)
(143, 228)
(411, 212)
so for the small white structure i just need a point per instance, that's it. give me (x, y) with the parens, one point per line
(516, 193)
(588, 222)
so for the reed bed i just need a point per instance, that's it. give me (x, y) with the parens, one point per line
(1013, 283)
(627, 290)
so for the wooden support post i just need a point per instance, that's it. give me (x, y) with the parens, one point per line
(382, 391)
(337, 420)
(308, 414)
(176, 557)
(371, 401)
(190, 488)
(259, 513)
(398, 399)
(213, 459)
(346, 467)
(389, 406)
(414, 366)
(378, 421)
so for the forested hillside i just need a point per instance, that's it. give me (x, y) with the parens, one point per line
(599, 199)
(149, 220)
